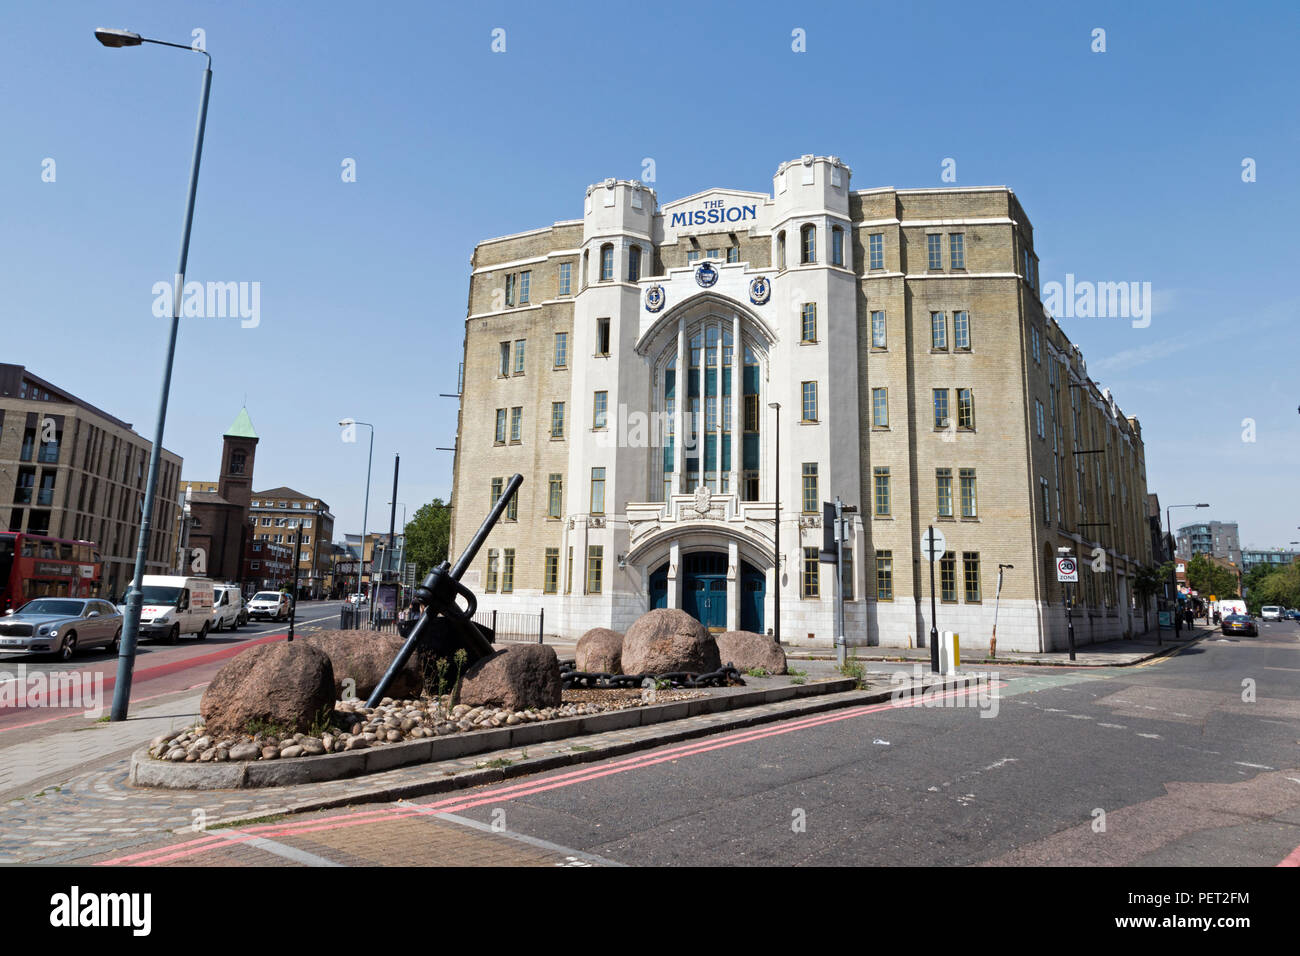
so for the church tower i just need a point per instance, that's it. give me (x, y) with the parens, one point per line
(239, 448)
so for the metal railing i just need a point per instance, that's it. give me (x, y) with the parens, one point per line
(514, 626)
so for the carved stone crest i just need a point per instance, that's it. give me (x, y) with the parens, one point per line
(702, 498)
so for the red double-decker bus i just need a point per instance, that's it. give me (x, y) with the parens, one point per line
(33, 565)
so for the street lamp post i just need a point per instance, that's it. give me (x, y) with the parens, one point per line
(401, 550)
(365, 512)
(131, 623)
(997, 599)
(776, 535)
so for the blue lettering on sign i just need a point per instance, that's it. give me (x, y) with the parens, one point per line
(714, 214)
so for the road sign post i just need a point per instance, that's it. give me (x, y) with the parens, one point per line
(1067, 572)
(932, 545)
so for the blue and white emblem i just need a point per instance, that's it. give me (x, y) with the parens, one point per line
(706, 275)
(654, 298)
(760, 290)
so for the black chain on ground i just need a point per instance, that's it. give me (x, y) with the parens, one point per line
(574, 679)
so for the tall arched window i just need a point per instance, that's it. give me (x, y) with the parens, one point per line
(607, 262)
(236, 462)
(780, 249)
(634, 264)
(808, 244)
(586, 266)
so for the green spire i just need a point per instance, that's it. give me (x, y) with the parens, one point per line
(242, 427)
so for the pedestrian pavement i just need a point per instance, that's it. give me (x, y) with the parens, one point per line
(1117, 653)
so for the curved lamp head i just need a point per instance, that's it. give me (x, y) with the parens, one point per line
(344, 422)
(110, 37)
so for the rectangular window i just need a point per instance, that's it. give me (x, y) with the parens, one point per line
(557, 419)
(751, 413)
(940, 408)
(965, 408)
(957, 250)
(566, 279)
(848, 573)
(692, 255)
(606, 263)
(948, 578)
(938, 330)
(837, 246)
(961, 331)
(510, 288)
(1047, 501)
(971, 570)
(595, 562)
(877, 246)
(512, 508)
(516, 424)
(551, 573)
(498, 484)
(602, 336)
(561, 349)
(598, 491)
(810, 401)
(568, 571)
(733, 253)
(884, 575)
(811, 573)
(508, 571)
(934, 246)
(519, 357)
(504, 367)
(880, 407)
(1033, 341)
(881, 476)
(811, 500)
(1038, 418)
(943, 491)
(501, 426)
(525, 280)
(878, 340)
(713, 254)
(967, 478)
(555, 496)
(491, 585)
(809, 322)
(598, 410)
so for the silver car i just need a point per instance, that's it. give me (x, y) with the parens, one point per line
(60, 626)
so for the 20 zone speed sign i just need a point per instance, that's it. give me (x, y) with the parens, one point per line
(1067, 570)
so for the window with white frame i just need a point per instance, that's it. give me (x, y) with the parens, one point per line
(878, 337)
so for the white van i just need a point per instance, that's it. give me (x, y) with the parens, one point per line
(173, 605)
(228, 610)
(1235, 606)
(1270, 612)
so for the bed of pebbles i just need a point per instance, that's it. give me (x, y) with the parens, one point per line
(355, 726)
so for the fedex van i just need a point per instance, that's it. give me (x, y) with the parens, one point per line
(174, 605)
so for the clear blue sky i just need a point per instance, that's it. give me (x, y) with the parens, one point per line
(1128, 163)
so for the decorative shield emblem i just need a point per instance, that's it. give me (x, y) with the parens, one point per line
(706, 275)
(654, 298)
(760, 290)
(702, 498)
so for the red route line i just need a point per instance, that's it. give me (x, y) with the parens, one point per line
(1292, 858)
(452, 804)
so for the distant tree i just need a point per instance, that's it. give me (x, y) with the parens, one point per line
(1282, 588)
(1206, 578)
(1257, 574)
(1148, 581)
(427, 536)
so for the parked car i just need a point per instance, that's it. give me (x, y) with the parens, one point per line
(272, 605)
(172, 605)
(1270, 612)
(228, 609)
(1240, 624)
(61, 626)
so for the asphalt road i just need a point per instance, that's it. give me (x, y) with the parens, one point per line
(160, 669)
(1187, 760)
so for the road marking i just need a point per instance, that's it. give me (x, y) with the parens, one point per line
(1113, 726)
(568, 852)
(288, 852)
(1254, 766)
(1150, 736)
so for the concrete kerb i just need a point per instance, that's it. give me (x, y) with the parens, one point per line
(809, 705)
(149, 772)
(880, 655)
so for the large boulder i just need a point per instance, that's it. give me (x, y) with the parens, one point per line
(362, 658)
(519, 677)
(747, 650)
(288, 684)
(666, 640)
(600, 651)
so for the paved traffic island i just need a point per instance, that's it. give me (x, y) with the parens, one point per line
(359, 740)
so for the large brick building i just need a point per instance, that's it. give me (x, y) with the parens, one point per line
(627, 364)
(71, 470)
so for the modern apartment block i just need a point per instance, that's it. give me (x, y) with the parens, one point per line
(630, 364)
(1275, 557)
(278, 515)
(1218, 538)
(71, 470)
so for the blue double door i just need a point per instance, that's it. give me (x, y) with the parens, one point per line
(704, 591)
